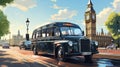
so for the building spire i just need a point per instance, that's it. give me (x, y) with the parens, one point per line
(90, 6)
(102, 32)
(90, 2)
(18, 32)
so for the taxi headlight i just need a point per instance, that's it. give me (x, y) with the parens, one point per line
(70, 43)
(96, 43)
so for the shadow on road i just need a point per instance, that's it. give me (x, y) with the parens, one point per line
(6, 60)
(9, 62)
(2, 51)
(3, 54)
(47, 55)
(71, 60)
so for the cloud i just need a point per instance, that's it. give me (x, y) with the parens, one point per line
(64, 14)
(24, 4)
(56, 7)
(103, 15)
(116, 5)
(54, 1)
(14, 27)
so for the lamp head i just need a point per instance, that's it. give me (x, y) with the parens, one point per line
(27, 21)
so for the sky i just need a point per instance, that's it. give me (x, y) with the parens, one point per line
(41, 12)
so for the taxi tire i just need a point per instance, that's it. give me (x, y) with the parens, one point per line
(60, 54)
(35, 52)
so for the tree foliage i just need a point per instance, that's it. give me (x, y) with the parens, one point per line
(113, 24)
(4, 2)
(4, 24)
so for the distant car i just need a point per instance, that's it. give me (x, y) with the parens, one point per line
(5, 45)
(111, 46)
(25, 45)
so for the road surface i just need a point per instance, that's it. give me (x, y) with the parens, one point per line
(14, 57)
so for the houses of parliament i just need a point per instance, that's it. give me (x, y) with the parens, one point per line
(90, 23)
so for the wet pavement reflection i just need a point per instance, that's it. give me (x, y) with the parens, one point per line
(97, 62)
(108, 63)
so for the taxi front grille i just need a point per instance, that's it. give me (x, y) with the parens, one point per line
(85, 45)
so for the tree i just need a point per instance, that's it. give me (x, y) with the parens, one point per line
(113, 25)
(4, 23)
(4, 2)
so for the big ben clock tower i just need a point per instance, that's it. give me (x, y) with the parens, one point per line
(90, 21)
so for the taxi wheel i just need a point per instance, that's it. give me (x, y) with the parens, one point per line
(20, 48)
(35, 52)
(60, 54)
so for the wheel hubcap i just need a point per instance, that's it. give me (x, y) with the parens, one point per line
(59, 54)
(34, 51)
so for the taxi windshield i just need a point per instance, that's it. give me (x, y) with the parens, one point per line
(73, 31)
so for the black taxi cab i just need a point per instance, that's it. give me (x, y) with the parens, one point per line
(63, 40)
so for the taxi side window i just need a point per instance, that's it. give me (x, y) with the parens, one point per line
(34, 35)
(39, 33)
(56, 31)
(50, 32)
(44, 33)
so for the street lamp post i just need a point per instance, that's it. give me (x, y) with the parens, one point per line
(9, 38)
(27, 24)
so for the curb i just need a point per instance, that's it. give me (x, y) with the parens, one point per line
(108, 56)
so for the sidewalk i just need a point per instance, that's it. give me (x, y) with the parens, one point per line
(108, 53)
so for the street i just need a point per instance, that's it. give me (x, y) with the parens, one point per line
(14, 57)
(7, 59)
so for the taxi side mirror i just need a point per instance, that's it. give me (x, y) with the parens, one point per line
(83, 33)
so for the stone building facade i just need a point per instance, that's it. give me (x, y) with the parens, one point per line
(90, 23)
(16, 39)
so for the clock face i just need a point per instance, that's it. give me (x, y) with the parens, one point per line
(93, 16)
(87, 17)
